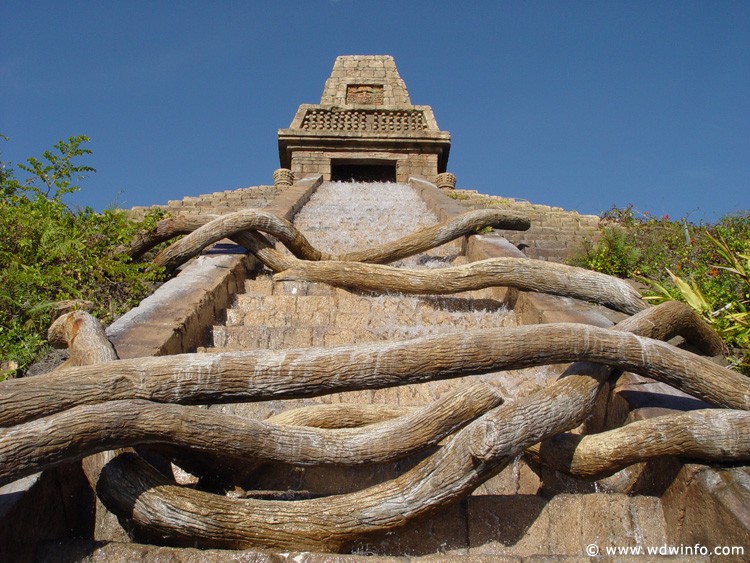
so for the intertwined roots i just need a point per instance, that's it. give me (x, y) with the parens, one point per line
(98, 404)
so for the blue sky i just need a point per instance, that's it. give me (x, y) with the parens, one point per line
(576, 104)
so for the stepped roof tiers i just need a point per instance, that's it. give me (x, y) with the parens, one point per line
(365, 128)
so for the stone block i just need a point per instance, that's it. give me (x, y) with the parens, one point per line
(709, 506)
(497, 523)
(55, 504)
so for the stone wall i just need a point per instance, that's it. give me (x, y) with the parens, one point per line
(555, 234)
(363, 70)
(408, 164)
(217, 203)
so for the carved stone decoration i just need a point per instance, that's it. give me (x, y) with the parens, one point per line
(367, 94)
(283, 178)
(446, 181)
(364, 114)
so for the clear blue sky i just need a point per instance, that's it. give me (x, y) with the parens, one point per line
(577, 104)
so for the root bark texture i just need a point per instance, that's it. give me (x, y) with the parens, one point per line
(97, 403)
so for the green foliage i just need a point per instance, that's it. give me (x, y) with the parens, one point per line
(707, 267)
(613, 253)
(49, 253)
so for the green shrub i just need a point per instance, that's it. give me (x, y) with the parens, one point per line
(704, 266)
(50, 253)
(613, 254)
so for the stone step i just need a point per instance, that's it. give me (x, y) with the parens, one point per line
(566, 525)
(283, 321)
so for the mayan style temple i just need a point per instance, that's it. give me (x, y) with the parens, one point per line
(365, 128)
(361, 359)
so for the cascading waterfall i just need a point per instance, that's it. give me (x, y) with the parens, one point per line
(346, 216)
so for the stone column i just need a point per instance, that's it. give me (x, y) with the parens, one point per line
(446, 181)
(283, 178)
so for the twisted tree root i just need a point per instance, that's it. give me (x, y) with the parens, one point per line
(710, 435)
(151, 504)
(253, 220)
(185, 224)
(465, 224)
(339, 415)
(673, 318)
(520, 273)
(30, 447)
(84, 337)
(165, 230)
(229, 225)
(264, 375)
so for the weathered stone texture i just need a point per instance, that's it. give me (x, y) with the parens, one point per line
(219, 203)
(365, 117)
(376, 71)
(555, 234)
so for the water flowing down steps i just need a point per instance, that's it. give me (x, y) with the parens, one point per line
(510, 515)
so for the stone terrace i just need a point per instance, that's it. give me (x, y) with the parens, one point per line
(555, 234)
(217, 203)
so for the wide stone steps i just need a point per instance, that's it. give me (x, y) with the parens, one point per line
(268, 317)
(518, 513)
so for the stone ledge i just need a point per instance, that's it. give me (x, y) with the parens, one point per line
(170, 320)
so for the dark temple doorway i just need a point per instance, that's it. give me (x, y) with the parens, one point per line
(363, 171)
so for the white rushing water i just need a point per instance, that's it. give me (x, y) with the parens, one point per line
(346, 216)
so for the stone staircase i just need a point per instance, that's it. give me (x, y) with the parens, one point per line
(289, 315)
(515, 514)
(511, 515)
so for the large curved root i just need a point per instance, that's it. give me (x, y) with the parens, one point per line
(229, 225)
(673, 318)
(164, 230)
(264, 375)
(150, 503)
(520, 273)
(248, 221)
(339, 415)
(467, 223)
(710, 435)
(30, 447)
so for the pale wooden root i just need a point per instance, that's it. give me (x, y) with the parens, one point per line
(207, 230)
(266, 375)
(708, 435)
(465, 224)
(673, 318)
(264, 250)
(472, 456)
(339, 415)
(662, 322)
(30, 447)
(185, 224)
(84, 337)
(165, 230)
(521, 273)
(168, 513)
(228, 226)
(87, 344)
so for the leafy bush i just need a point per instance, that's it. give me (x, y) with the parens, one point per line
(705, 266)
(50, 254)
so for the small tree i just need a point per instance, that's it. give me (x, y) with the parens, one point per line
(50, 253)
